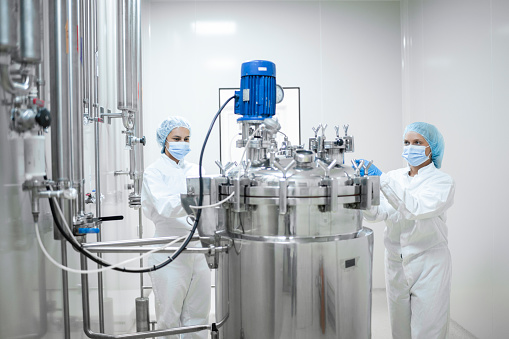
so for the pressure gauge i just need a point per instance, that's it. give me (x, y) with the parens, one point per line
(280, 94)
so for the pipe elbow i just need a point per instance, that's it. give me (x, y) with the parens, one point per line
(15, 88)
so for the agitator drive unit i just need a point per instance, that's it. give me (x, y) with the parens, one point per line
(300, 263)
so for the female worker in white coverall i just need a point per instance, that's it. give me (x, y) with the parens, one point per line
(181, 288)
(413, 204)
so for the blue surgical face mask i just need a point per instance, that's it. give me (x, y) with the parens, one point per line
(178, 149)
(415, 155)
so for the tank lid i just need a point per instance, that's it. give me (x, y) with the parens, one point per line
(304, 156)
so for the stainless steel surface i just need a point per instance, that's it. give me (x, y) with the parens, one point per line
(304, 157)
(136, 53)
(300, 265)
(140, 235)
(142, 314)
(121, 55)
(135, 249)
(125, 49)
(133, 242)
(138, 131)
(61, 65)
(30, 31)
(9, 16)
(296, 290)
(59, 100)
(11, 86)
(25, 294)
(29, 309)
(65, 291)
(97, 148)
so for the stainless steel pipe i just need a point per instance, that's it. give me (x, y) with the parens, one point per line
(142, 314)
(64, 75)
(135, 54)
(134, 242)
(78, 167)
(128, 54)
(86, 69)
(9, 16)
(133, 249)
(122, 48)
(16, 88)
(30, 31)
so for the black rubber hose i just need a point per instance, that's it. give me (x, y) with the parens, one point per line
(200, 201)
(77, 246)
(100, 261)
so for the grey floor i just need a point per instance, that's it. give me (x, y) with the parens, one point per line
(381, 327)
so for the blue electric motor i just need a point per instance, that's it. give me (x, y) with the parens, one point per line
(256, 99)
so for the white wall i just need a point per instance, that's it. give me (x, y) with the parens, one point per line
(345, 56)
(457, 77)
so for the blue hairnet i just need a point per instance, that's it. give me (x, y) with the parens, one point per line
(434, 138)
(169, 125)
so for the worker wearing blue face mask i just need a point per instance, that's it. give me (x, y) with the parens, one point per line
(413, 204)
(182, 288)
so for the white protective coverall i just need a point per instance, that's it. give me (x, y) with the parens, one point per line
(417, 259)
(182, 288)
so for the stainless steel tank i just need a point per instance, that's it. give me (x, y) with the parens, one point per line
(300, 263)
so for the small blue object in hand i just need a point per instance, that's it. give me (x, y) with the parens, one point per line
(372, 170)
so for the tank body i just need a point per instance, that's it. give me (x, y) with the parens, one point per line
(306, 273)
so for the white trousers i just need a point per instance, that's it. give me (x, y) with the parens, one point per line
(182, 293)
(418, 293)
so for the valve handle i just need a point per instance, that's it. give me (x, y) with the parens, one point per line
(43, 117)
(111, 218)
(316, 130)
(324, 128)
(345, 127)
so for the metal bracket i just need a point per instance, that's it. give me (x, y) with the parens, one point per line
(283, 185)
(238, 186)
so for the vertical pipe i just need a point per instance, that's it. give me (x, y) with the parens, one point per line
(140, 235)
(60, 125)
(58, 76)
(85, 300)
(64, 75)
(135, 53)
(8, 25)
(41, 70)
(86, 58)
(30, 31)
(142, 315)
(137, 165)
(121, 55)
(95, 59)
(95, 108)
(65, 291)
(78, 168)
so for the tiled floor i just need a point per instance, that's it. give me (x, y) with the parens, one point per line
(381, 327)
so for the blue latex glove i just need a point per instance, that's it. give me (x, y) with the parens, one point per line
(372, 170)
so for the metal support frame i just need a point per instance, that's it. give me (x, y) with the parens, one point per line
(132, 246)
